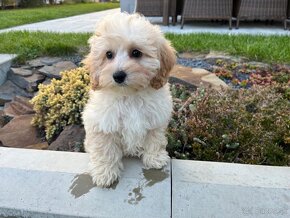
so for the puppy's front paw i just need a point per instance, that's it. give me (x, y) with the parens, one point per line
(156, 161)
(105, 175)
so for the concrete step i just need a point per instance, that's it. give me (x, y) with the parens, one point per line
(36, 183)
(225, 190)
(5, 64)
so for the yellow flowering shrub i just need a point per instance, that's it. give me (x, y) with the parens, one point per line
(60, 103)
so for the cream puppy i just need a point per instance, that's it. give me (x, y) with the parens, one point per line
(130, 103)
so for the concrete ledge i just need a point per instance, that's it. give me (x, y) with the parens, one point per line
(5, 64)
(55, 184)
(35, 183)
(210, 189)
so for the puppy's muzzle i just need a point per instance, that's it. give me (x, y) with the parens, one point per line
(119, 77)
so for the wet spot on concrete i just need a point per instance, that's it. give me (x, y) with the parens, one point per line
(151, 177)
(154, 176)
(81, 185)
(137, 197)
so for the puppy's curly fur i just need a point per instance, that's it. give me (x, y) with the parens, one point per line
(127, 117)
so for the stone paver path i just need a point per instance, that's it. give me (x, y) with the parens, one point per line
(87, 22)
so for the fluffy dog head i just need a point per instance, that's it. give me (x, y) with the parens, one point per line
(128, 52)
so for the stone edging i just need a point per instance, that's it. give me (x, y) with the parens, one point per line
(55, 184)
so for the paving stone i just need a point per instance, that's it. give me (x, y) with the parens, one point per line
(56, 184)
(42, 61)
(21, 71)
(9, 90)
(30, 83)
(87, 22)
(18, 106)
(19, 132)
(224, 190)
(54, 70)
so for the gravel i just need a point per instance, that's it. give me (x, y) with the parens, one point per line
(195, 63)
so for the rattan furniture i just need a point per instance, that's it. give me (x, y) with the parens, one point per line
(288, 14)
(207, 10)
(261, 10)
(156, 8)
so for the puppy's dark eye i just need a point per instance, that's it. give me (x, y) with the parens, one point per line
(109, 55)
(136, 53)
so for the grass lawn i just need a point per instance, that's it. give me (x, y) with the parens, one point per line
(16, 17)
(271, 49)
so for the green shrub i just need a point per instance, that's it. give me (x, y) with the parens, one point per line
(243, 126)
(60, 103)
(30, 3)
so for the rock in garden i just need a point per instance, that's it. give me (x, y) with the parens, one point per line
(195, 77)
(40, 62)
(217, 55)
(214, 81)
(19, 106)
(21, 71)
(2, 119)
(40, 146)
(191, 55)
(9, 90)
(54, 70)
(19, 133)
(47, 81)
(258, 65)
(214, 55)
(70, 139)
(30, 83)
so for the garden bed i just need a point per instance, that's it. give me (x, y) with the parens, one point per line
(246, 121)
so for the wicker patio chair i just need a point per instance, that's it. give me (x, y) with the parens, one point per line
(207, 10)
(154, 8)
(262, 10)
(288, 14)
(150, 8)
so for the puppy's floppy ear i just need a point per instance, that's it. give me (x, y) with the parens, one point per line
(90, 64)
(167, 57)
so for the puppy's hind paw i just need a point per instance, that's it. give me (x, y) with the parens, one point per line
(156, 161)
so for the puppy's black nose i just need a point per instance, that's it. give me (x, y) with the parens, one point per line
(119, 76)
